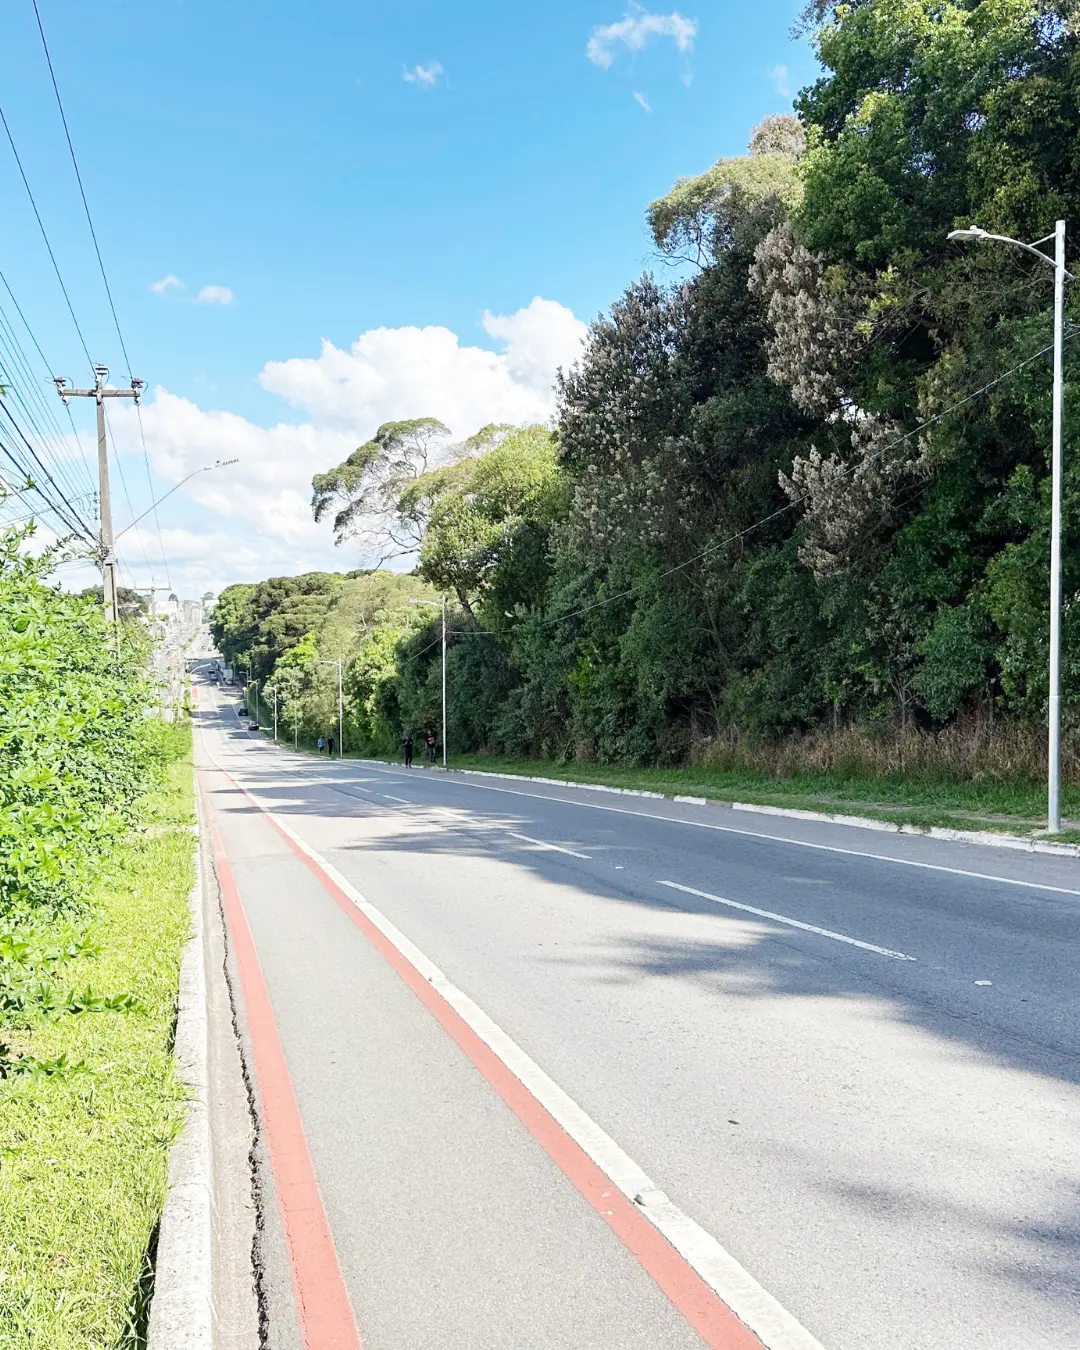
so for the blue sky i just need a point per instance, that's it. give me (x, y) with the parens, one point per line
(277, 154)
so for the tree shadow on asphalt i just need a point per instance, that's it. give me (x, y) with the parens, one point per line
(756, 962)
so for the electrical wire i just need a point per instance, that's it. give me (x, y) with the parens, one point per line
(101, 266)
(48, 370)
(802, 497)
(127, 495)
(50, 436)
(45, 237)
(73, 520)
(780, 511)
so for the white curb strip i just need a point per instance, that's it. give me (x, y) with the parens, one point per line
(181, 1311)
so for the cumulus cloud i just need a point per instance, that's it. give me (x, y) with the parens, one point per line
(391, 373)
(425, 76)
(253, 519)
(635, 30)
(169, 283)
(215, 295)
(781, 81)
(642, 101)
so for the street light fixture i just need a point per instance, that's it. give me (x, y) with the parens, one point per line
(336, 661)
(206, 468)
(435, 604)
(1057, 262)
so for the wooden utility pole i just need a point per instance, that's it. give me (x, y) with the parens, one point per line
(110, 588)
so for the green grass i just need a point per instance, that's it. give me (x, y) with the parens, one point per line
(84, 1154)
(1014, 807)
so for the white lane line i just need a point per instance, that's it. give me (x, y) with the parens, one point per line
(791, 923)
(542, 843)
(774, 1326)
(455, 816)
(771, 838)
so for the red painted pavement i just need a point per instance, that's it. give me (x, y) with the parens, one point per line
(322, 1302)
(710, 1317)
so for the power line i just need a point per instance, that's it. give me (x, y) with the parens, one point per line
(48, 370)
(45, 237)
(154, 506)
(795, 501)
(781, 510)
(104, 275)
(51, 437)
(127, 495)
(82, 190)
(74, 522)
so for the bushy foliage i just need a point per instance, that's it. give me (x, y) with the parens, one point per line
(76, 746)
(805, 485)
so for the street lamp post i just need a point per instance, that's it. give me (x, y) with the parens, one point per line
(1053, 813)
(326, 661)
(435, 604)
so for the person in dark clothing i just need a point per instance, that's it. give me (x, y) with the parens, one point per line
(431, 747)
(408, 751)
(330, 746)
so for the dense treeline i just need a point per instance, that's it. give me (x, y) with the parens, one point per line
(803, 488)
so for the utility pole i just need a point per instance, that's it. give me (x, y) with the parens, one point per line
(109, 583)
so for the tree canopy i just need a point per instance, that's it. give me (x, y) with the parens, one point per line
(802, 481)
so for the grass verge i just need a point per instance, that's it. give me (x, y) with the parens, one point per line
(1014, 807)
(84, 1137)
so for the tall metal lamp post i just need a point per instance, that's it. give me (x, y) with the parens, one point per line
(1057, 262)
(325, 661)
(435, 604)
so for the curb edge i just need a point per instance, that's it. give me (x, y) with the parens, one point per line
(181, 1309)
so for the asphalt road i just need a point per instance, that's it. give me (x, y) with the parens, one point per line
(849, 1058)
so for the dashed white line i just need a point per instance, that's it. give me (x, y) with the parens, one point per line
(775, 1327)
(542, 843)
(791, 923)
(769, 838)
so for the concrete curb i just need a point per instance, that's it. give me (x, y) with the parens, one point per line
(181, 1310)
(1023, 843)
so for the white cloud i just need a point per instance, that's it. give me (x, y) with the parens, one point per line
(781, 81)
(215, 295)
(391, 373)
(168, 283)
(635, 30)
(426, 76)
(253, 519)
(642, 101)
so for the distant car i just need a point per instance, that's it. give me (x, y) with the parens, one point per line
(253, 726)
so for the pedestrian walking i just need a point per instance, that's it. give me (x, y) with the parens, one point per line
(321, 742)
(408, 751)
(431, 747)
(330, 746)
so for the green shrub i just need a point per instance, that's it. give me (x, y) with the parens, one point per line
(77, 744)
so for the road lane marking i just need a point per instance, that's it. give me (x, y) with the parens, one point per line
(542, 843)
(468, 824)
(770, 838)
(791, 923)
(717, 1296)
(322, 1301)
